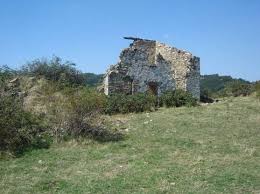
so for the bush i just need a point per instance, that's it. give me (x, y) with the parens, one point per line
(240, 89)
(257, 89)
(76, 113)
(205, 97)
(19, 130)
(177, 98)
(56, 70)
(6, 73)
(121, 103)
(84, 108)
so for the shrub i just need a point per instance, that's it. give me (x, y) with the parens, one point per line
(56, 70)
(76, 113)
(240, 89)
(19, 130)
(6, 73)
(257, 89)
(121, 103)
(85, 106)
(114, 103)
(177, 98)
(205, 97)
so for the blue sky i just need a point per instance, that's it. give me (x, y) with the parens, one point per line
(225, 34)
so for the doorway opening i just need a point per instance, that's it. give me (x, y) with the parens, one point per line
(153, 88)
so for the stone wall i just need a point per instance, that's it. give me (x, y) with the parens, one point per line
(148, 62)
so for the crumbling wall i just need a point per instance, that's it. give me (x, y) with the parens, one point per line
(148, 61)
(184, 66)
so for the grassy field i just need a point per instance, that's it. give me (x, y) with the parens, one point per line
(206, 149)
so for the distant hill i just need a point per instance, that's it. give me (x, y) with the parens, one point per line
(93, 79)
(215, 83)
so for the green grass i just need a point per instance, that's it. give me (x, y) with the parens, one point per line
(207, 149)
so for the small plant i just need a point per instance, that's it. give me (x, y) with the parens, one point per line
(177, 98)
(121, 103)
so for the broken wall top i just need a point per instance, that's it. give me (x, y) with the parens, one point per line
(146, 51)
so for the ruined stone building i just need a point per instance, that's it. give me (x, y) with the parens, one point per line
(148, 65)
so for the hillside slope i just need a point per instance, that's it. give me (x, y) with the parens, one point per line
(215, 83)
(207, 149)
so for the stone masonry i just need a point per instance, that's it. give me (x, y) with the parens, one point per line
(148, 65)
